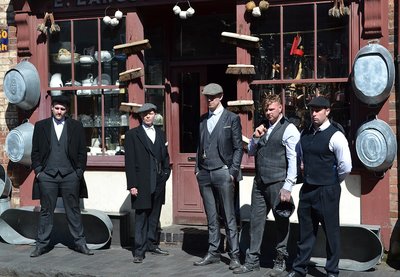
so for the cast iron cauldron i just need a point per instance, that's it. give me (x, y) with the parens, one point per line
(22, 85)
(373, 74)
(376, 145)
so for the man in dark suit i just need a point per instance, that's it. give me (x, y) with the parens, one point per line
(218, 160)
(59, 160)
(147, 170)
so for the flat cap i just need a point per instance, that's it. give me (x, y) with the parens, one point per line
(319, 102)
(283, 209)
(61, 99)
(212, 89)
(147, 107)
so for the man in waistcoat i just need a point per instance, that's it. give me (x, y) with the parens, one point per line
(59, 161)
(219, 155)
(274, 147)
(325, 154)
(147, 170)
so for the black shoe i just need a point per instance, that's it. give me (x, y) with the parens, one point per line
(37, 252)
(294, 274)
(279, 266)
(159, 251)
(208, 259)
(234, 263)
(246, 268)
(138, 260)
(82, 248)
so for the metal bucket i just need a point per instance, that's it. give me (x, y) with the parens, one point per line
(19, 144)
(5, 183)
(22, 85)
(373, 74)
(376, 145)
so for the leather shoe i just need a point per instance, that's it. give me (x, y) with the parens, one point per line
(246, 268)
(208, 259)
(83, 249)
(37, 252)
(294, 274)
(138, 260)
(234, 263)
(159, 251)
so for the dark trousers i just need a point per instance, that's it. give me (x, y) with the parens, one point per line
(146, 225)
(318, 204)
(68, 187)
(217, 188)
(262, 200)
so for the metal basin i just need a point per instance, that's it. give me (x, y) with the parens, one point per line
(19, 144)
(5, 183)
(373, 74)
(376, 145)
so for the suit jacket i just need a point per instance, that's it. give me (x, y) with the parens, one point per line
(230, 148)
(77, 153)
(138, 167)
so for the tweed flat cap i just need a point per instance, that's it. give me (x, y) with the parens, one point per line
(61, 99)
(212, 89)
(147, 107)
(319, 102)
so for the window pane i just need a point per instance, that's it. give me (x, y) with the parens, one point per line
(156, 96)
(155, 56)
(333, 42)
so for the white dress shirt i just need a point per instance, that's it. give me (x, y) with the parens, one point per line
(58, 127)
(150, 132)
(290, 139)
(213, 118)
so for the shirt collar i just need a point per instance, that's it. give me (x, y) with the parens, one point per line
(217, 111)
(146, 127)
(323, 127)
(273, 125)
(58, 122)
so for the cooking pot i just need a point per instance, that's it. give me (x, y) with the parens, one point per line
(19, 144)
(373, 74)
(22, 85)
(5, 183)
(376, 145)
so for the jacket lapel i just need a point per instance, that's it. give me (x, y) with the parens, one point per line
(142, 136)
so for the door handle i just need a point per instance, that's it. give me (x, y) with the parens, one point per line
(191, 159)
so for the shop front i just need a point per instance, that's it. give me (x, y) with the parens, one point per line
(305, 49)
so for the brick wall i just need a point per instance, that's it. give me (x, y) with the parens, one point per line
(8, 113)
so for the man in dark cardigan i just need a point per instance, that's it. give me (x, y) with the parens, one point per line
(59, 160)
(147, 170)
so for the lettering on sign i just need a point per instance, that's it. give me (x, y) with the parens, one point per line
(3, 40)
(86, 3)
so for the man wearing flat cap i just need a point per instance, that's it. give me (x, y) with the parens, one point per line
(147, 170)
(274, 147)
(59, 161)
(218, 159)
(325, 154)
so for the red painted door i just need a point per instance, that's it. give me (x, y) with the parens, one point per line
(187, 105)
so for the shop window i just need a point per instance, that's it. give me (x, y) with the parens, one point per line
(82, 64)
(303, 53)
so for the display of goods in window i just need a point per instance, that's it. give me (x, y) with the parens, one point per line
(373, 74)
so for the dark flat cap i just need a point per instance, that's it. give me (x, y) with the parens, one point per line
(319, 102)
(212, 89)
(61, 99)
(147, 107)
(283, 209)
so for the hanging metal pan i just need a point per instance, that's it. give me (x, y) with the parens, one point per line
(373, 74)
(376, 145)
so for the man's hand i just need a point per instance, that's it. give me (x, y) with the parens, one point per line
(134, 191)
(285, 195)
(259, 131)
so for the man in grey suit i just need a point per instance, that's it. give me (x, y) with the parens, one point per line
(219, 155)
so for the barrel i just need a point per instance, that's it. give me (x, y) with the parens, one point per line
(22, 85)
(373, 74)
(376, 145)
(5, 183)
(19, 144)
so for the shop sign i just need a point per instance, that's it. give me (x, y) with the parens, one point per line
(3, 40)
(87, 3)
